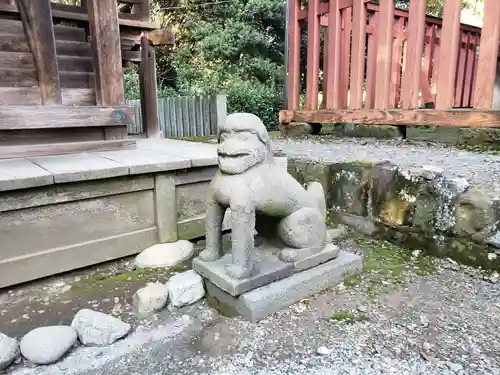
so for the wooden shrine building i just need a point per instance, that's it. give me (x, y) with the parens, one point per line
(61, 74)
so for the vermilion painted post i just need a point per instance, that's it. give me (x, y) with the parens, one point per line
(346, 56)
(294, 55)
(415, 49)
(462, 64)
(397, 50)
(371, 69)
(313, 51)
(435, 64)
(429, 52)
(469, 70)
(332, 94)
(448, 55)
(488, 55)
(384, 53)
(358, 54)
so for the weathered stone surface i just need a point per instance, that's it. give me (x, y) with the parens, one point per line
(446, 190)
(152, 298)
(477, 215)
(9, 351)
(47, 345)
(263, 196)
(185, 288)
(97, 329)
(259, 303)
(337, 234)
(312, 259)
(165, 255)
(267, 268)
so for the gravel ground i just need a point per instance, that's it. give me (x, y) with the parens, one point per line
(477, 167)
(404, 315)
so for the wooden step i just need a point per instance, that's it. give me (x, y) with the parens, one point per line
(8, 152)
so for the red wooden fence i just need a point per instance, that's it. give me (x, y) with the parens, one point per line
(383, 65)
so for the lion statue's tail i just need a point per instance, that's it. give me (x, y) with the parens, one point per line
(315, 189)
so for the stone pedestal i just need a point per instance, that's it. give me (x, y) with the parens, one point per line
(259, 303)
(275, 284)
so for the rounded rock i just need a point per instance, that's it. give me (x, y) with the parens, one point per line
(46, 345)
(97, 329)
(323, 350)
(9, 351)
(152, 298)
(165, 255)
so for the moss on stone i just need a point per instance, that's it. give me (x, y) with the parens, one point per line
(348, 317)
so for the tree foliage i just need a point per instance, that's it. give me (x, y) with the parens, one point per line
(230, 47)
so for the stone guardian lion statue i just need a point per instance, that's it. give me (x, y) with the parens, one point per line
(261, 196)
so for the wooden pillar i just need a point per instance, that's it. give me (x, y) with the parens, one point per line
(448, 54)
(332, 51)
(384, 53)
(36, 16)
(293, 81)
(488, 55)
(415, 45)
(149, 90)
(107, 60)
(358, 53)
(313, 51)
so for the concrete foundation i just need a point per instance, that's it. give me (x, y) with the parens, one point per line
(259, 303)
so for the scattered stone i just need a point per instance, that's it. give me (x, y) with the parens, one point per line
(46, 345)
(185, 288)
(492, 256)
(9, 351)
(152, 298)
(98, 329)
(165, 255)
(323, 350)
(494, 277)
(427, 346)
(336, 235)
(362, 308)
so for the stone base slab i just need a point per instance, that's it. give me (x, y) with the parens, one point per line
(266, 300)
(268, 268)
(309, 259)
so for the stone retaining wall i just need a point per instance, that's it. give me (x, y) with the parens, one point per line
(419, 208)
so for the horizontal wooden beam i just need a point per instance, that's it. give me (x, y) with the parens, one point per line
(162, 37)
(59, 116)
(8, 152)
(28, 78)
(82, 17)
(451, 117)
(31, 96)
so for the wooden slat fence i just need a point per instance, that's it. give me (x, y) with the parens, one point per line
(383, 65)
(184, 116)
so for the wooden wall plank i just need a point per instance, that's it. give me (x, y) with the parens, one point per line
(488, 55)
(31, 96)
(448, 54)
(415, 49)
(39, 117)
(105, 36)
(313, 51)
(358, 54)
(427, 64)
(61, 32)
(384, 53)
(41, 39)
(24, 60)
(331, 92)
(23, 137)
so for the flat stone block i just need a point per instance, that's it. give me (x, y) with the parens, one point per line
(22, 174)
(200, 154)
(147, 161)
(264, 301)
(80, 167)
(268, 268)
(310, 259)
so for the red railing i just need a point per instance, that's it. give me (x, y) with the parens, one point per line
(379, 57)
